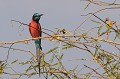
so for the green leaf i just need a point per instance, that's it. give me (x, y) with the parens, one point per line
(61, 57)
(66, 46)
(52, 70)
(118, 34)
(55, 64)
(99, 29)
(53, 77)
(31, 74)
(51, 50)
(60, 77)
(52, 58)
(14, 61)
(87, 6)
(30, 68)
(118, 77)
(95, 21)
(73, 70)
(75, 77)
(96, 50)
(1, 69)
(23, 63)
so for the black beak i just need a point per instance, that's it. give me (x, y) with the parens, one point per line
(41, 15)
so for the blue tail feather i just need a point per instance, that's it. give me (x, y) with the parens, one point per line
(38, 44)
(38, 52)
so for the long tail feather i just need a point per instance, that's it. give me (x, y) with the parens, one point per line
(38, 58)
(40, 44)
(39, 68)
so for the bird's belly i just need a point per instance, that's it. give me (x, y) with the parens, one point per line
(35, 33)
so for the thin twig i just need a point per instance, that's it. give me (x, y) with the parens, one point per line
(9, 52)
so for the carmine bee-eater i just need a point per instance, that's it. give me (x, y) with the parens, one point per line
(35, 31)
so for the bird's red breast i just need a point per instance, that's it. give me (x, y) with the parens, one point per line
(35, 29)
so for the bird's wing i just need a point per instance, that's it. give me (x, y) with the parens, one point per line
(40, 32)
(40, 29)
(29, 28)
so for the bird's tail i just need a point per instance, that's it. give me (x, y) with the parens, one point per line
(40, 44)
(38, 52)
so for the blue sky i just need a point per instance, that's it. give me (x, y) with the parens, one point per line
(57, 14)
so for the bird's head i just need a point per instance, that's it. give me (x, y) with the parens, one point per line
(36, 17)
(107, 19)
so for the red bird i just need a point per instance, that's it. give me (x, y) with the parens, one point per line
(35, 31)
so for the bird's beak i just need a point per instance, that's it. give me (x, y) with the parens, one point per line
(41, 15)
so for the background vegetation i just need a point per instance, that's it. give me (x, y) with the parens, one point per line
(98, 43)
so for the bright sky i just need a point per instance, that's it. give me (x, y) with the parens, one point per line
(57, 14)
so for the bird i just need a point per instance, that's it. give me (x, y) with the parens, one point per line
(35, 31)
(109, 24)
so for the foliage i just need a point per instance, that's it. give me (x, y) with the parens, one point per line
(91, 41)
